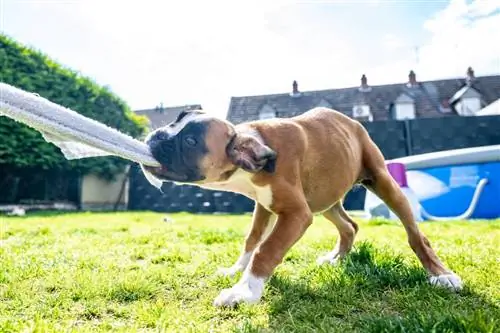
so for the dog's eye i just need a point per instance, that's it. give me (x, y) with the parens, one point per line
(190, 141)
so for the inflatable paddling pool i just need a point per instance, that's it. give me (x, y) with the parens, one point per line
(452, 184)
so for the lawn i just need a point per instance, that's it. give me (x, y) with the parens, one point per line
(130, 272)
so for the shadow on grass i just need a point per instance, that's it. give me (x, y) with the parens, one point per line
(374, 291)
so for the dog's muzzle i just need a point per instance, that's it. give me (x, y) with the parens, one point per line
(167, 150)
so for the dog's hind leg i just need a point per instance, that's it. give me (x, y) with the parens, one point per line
(347, 229)
(261, 223)
(386, 188)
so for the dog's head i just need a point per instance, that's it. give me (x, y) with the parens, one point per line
(199, 148)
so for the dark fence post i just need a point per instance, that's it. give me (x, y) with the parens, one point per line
(408, 138)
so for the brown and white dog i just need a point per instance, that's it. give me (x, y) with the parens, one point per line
(293, 168)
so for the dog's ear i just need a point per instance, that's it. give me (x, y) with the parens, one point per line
(251, 154)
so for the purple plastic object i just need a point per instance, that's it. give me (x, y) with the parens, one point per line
(398, 172)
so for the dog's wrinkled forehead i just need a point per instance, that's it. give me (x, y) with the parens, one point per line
(186, 117)
(187, 122)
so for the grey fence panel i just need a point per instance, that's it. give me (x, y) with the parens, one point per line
(389, 136)
(394, 138)
(429, 135)
(182, 198)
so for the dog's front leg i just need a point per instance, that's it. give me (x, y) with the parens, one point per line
(260, 222)
(290, 226)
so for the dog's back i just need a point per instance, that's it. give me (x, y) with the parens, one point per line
(328, 149)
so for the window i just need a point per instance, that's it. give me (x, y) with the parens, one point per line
(267, 112)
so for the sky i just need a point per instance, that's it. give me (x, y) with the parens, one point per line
(182, 52)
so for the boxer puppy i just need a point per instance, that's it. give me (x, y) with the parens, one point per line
(292, 168)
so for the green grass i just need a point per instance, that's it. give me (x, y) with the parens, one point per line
(133, 272)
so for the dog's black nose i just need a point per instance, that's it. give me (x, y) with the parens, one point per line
(162, 146)
(157, 136)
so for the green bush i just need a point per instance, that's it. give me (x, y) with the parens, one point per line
(33, 71)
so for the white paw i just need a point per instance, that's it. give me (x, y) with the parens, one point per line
(451, 281)
(230, 271)
(236, 294)
(331, 258)
(239, 265)
(248, 290)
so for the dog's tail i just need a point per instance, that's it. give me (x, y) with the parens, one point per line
(377, 179)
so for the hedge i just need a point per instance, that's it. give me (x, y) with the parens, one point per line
(24, 148)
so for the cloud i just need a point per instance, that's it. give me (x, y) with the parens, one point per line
(189, 51)
(460, 35)
(393, 42)
(463, 35)
(207, 51)
(151, 51)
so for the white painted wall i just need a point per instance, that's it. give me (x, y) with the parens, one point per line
(98, 194)
(468, 106)
(267, 112)
(405, 111)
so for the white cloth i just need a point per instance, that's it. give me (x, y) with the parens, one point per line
(76, 135)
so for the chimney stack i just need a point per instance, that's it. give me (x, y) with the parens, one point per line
(295, 89)
(470, 75)
(412, 79)
(364, 84)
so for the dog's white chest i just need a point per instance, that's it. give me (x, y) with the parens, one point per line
(240, 183)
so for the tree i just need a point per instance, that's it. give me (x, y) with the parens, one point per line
(22, 147)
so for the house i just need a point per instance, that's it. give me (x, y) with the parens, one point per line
(408, 100)
(161, 116)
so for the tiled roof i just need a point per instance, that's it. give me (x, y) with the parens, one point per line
(432, 99)
(161, 116)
